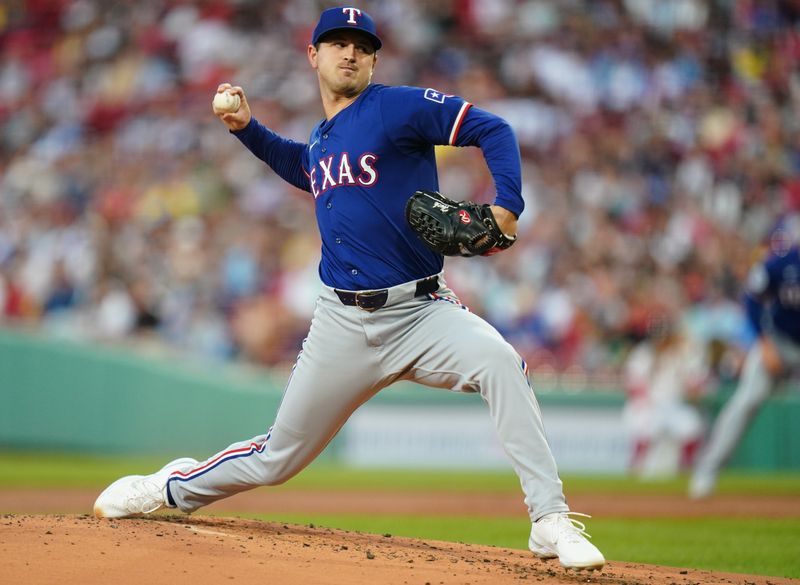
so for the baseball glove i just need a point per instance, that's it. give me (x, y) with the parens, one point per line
(455, 228)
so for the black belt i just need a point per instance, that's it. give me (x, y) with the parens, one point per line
(372, 300)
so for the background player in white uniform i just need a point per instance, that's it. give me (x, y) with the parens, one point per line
(664, 374)
(772, 300)
(385, 312)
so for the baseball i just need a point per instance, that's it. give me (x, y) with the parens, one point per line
(226, 103)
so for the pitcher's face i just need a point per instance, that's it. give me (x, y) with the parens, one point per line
(344, 62)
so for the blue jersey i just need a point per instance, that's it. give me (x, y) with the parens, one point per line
(772, 296)
(362, 165)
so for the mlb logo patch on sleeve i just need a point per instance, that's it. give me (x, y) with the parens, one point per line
(434, 96)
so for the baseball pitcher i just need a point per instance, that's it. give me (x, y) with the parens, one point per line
(386, 312)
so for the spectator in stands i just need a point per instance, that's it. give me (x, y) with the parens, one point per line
(655, 143)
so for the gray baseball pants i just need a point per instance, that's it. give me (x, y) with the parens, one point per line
(350, 355)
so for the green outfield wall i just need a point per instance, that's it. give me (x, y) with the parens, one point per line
(60, 395)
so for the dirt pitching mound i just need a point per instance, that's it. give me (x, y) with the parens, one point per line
(72, 550)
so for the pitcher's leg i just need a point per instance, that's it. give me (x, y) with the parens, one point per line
(453, 348)
(505, 387)
(446, 346)
(268, 459)
(334, 374)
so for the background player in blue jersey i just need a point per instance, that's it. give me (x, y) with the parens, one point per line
(385, 313)
(772, 301)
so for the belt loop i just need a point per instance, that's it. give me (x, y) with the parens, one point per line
(427, 286)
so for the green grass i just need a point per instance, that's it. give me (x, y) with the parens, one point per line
(61, 470)
(743, 545)
(22, 470)
(19, 469)
(738, 545)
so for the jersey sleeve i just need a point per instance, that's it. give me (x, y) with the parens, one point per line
(416, 118)
(287, 158)
(500, 148)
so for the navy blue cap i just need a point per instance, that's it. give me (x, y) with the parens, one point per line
(346, 18)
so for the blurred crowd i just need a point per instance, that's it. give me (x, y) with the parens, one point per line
(659, 141)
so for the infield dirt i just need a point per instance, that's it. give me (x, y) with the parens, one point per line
(72, 549)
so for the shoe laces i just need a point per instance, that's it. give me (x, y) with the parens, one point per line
(146, 499)
(572, 529)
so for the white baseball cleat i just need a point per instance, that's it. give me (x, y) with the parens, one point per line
(138, 494)
(558, 535)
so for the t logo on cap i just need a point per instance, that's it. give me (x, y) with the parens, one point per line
(353, 12)
(346, 18)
